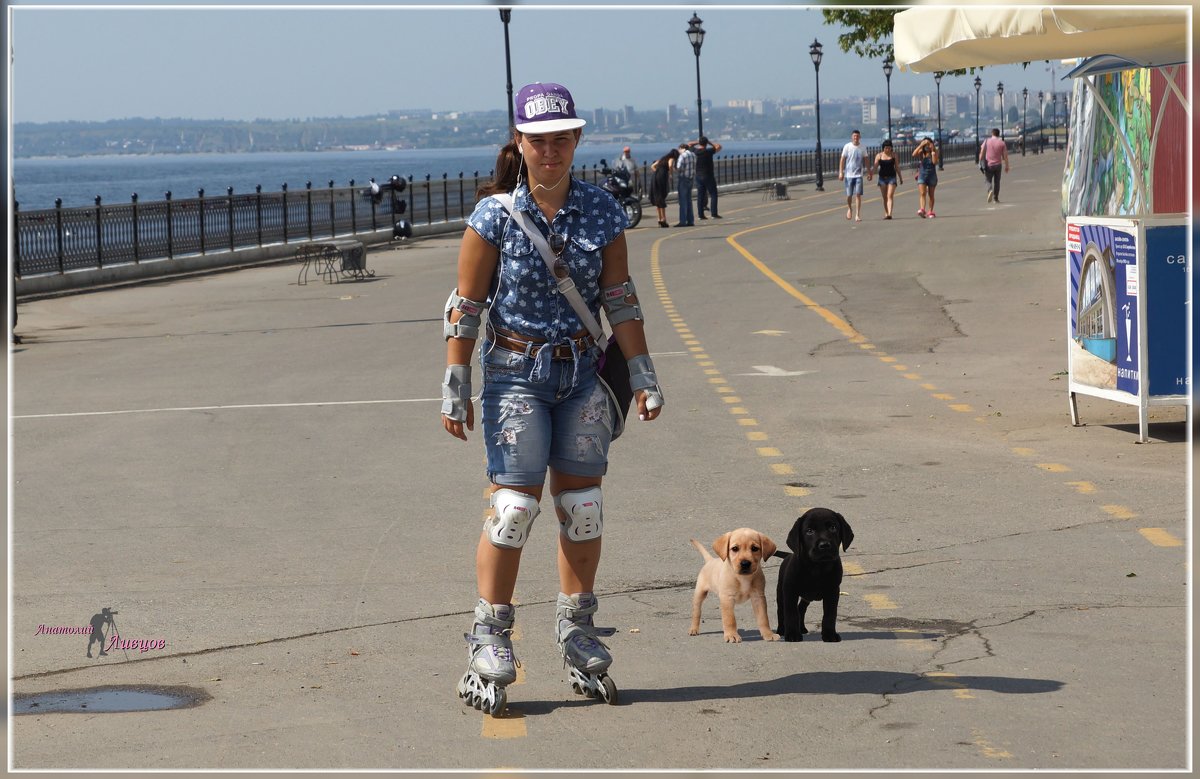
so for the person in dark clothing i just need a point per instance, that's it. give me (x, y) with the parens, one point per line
(706, 179)
(660, 183)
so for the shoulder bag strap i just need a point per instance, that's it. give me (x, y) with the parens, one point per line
(565, 285)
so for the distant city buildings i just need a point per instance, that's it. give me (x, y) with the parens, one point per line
(870, 112)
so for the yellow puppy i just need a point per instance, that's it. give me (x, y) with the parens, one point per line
(737, 577)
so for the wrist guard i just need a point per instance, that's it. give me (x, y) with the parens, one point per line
(642, 377)
(456, 392)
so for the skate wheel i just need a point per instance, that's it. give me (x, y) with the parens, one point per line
(498, 705)
(608, 690)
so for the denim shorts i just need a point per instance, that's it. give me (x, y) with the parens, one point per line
(562, 421)
(854, 186)
(886, 180)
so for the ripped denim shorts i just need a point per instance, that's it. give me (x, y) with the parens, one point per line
(562, 421)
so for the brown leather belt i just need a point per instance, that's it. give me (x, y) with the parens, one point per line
(515, 342)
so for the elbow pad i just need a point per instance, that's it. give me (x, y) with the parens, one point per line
(468, 324)
(618, 303)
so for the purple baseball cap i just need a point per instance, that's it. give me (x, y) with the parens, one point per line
(545, 108)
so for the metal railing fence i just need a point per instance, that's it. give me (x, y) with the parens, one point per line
(59, 240)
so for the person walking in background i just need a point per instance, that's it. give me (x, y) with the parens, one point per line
(629, 167)
(994, 152)
(851, 167)
(542, 405)
(706, 177)
(685, 175)
(660, 184)
(926, 155)
(889, 177)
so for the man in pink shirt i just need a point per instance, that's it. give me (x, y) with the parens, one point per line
(995, 151)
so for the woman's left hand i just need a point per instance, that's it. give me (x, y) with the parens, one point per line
(644, 414)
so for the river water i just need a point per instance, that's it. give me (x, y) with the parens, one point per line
(78, 180)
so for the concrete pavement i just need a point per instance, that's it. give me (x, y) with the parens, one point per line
(254, 472)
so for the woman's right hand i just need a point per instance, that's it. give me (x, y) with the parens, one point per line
(458, 429)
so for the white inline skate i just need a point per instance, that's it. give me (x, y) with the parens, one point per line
(583, 652)
(492, 664)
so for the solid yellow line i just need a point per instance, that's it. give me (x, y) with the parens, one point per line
(833, 319)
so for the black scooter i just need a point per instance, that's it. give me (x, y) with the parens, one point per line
(617, 183)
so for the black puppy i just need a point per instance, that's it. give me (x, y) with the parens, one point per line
(813, 571)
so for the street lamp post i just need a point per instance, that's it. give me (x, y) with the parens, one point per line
(1000, 91)
(505, 16)
(1054, 116)
(887, 73)
(1041, 122)
(815, 52)
(1024, 117)
(978, 140)
(937, 79)
(695, 34)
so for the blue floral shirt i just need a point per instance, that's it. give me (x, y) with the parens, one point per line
(525, 298)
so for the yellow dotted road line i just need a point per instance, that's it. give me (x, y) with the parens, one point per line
(728, 395)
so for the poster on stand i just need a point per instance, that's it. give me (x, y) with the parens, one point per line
(1103, 306)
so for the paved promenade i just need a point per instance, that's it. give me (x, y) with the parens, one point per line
(254, 473)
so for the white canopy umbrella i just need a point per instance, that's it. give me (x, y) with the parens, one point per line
(933, 38)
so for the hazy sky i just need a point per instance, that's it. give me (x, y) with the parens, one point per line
(295, 62)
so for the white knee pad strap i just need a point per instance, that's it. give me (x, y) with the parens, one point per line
(515, 512)
(580, 514)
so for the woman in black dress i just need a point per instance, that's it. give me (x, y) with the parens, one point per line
(889, 177)
(660, 184)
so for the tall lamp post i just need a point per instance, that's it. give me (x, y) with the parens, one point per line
(505, 16)
(937, 79)
(1054, 116)
(1024, 117)
(1041, 122)
(887, 73)
(978, 140)
(695, 34)
(1000, 91)
(815, 52)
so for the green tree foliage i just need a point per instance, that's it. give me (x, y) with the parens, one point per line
(868, 33)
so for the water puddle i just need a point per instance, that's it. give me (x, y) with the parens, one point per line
(109, 699)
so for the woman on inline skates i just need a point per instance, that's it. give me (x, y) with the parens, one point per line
(543, 408)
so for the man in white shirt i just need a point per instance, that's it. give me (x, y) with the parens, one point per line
(851, 166)
(629, 165)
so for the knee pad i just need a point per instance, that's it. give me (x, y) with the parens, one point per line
(515, 512)
(580, 514)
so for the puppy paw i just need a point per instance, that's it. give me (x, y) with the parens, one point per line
(831, 637)
(693, 631)
(733, 638)
(769, 636)
(793, 637)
